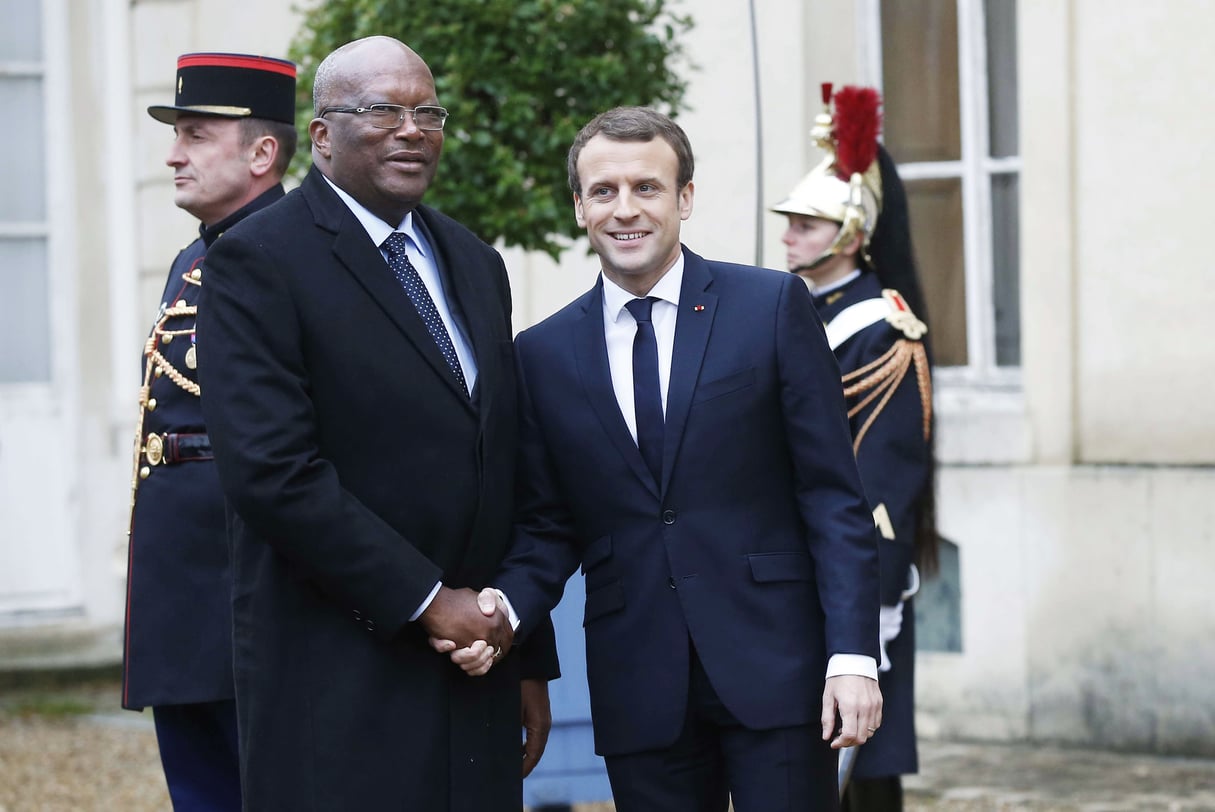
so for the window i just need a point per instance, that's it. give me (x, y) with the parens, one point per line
(947, 71)
(25, 353)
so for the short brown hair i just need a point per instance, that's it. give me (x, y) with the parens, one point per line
(633, 124)
(284, 134)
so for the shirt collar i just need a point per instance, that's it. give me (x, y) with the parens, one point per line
(665, 289)
(376, 228)
(837, 284)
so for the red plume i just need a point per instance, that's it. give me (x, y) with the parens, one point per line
(858, 120)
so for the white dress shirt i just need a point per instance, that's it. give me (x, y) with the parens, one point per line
(619, 328)
(422, 258)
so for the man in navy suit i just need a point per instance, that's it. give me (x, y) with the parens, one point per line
(684, 441)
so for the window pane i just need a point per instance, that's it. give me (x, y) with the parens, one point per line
(1006, 267)
(21, 33)
(25, 352)
(1002, 76)
(936, 228)
(23, 156)
(920, 80)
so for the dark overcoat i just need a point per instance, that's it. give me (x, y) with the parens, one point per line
(358, 473)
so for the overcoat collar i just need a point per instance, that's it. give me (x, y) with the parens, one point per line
(356, 252)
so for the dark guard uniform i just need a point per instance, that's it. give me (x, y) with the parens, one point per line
(872, 325)
(178, 646)
(233, 136)
(889, 399)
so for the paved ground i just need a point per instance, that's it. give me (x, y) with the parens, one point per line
(67, 748)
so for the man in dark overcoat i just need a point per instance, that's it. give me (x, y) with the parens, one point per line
(362, 407)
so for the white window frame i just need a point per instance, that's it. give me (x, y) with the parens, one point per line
(53, 402)
(975, 169)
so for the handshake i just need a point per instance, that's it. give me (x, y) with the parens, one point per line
(473, 627)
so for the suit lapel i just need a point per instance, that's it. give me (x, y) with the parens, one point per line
(355, 251)
(469, 297)
(697, 309)
(590, 350)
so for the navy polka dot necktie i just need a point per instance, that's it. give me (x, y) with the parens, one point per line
(647, 394)
(407, 275)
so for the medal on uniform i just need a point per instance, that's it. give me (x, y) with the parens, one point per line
(192, 354)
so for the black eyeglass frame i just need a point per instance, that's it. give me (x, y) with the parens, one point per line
(401, 110)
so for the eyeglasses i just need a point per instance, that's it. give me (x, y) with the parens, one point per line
(391, 116)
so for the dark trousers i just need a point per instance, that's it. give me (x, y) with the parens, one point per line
(715, 759)
(199, 753)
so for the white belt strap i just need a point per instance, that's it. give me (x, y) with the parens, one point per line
(854, 318)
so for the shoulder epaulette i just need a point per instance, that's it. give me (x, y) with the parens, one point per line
(901, 317)
(876, 382)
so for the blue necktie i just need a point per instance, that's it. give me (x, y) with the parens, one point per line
(647, 396)
(408, 276)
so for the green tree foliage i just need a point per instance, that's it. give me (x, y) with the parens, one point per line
(520, 78)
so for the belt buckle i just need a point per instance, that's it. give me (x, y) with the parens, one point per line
(154, 449)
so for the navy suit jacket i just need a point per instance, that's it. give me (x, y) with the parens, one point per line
(757, 546)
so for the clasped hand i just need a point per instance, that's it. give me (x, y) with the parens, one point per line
(473, 627)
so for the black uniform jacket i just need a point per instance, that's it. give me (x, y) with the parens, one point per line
(357, 474)
(178, 646)
(894, 461)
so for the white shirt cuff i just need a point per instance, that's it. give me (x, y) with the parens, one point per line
(857, 664)
(510, 611)
(426, 603)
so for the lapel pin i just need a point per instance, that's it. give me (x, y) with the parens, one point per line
(699, 308)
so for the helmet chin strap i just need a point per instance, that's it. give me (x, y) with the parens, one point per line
(834, 250)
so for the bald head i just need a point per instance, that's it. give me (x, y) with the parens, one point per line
(385, 168)
(344, 66)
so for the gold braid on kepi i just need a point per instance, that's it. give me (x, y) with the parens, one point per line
(879, 379)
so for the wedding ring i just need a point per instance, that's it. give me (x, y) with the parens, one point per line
(497, 652)
(870, 729)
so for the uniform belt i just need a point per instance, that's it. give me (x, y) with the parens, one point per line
(168, 449)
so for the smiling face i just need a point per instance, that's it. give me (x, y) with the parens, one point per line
(211, 177)
(388, 171)
(631, 207)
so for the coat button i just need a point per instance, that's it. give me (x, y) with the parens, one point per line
(671, 583)
(668, 517)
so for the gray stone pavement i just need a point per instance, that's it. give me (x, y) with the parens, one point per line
(984, 776)
(69, 747)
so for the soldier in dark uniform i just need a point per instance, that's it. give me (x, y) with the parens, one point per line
(233, 122)
(848, 236)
